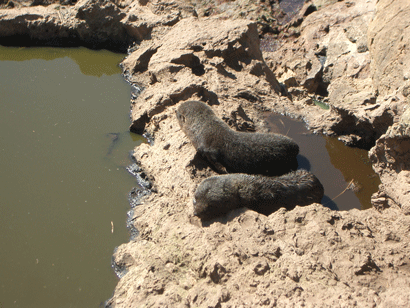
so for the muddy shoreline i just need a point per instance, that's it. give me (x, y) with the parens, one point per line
(310, 255)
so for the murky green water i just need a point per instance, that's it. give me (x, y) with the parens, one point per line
(63, 179)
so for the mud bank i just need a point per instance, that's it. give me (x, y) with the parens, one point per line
(351, 56)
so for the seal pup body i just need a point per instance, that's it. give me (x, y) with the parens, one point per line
(231, 151)
(217, 195)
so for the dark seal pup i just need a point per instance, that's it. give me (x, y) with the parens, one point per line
(231, 151)
(217, 195)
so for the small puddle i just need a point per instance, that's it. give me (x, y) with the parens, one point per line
(337, 166)
(291, 8)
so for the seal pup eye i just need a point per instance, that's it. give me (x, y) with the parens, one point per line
(181, 118)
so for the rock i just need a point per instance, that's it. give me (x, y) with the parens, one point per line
(340, 57)
(100, 20)
(93, 23)
(29, 22)
(145, 16)
(197, 58)
(405, 118)
(390, 160)
(314, 69)
(389, 44)
(261, 267)
(307, 255)
(324, 256)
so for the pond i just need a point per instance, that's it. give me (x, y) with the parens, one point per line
(64, 118)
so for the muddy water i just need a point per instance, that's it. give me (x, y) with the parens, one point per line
(290, 8)
(337, 166)
(64, 117)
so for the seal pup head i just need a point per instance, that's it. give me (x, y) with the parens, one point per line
(191, 112)
(215, 196)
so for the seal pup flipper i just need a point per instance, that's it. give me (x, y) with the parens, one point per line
(212, 156)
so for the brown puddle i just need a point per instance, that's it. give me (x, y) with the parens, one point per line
(290, 8)
(337, 166)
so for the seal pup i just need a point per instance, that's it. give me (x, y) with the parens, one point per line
(231, 151)
(217, 195)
